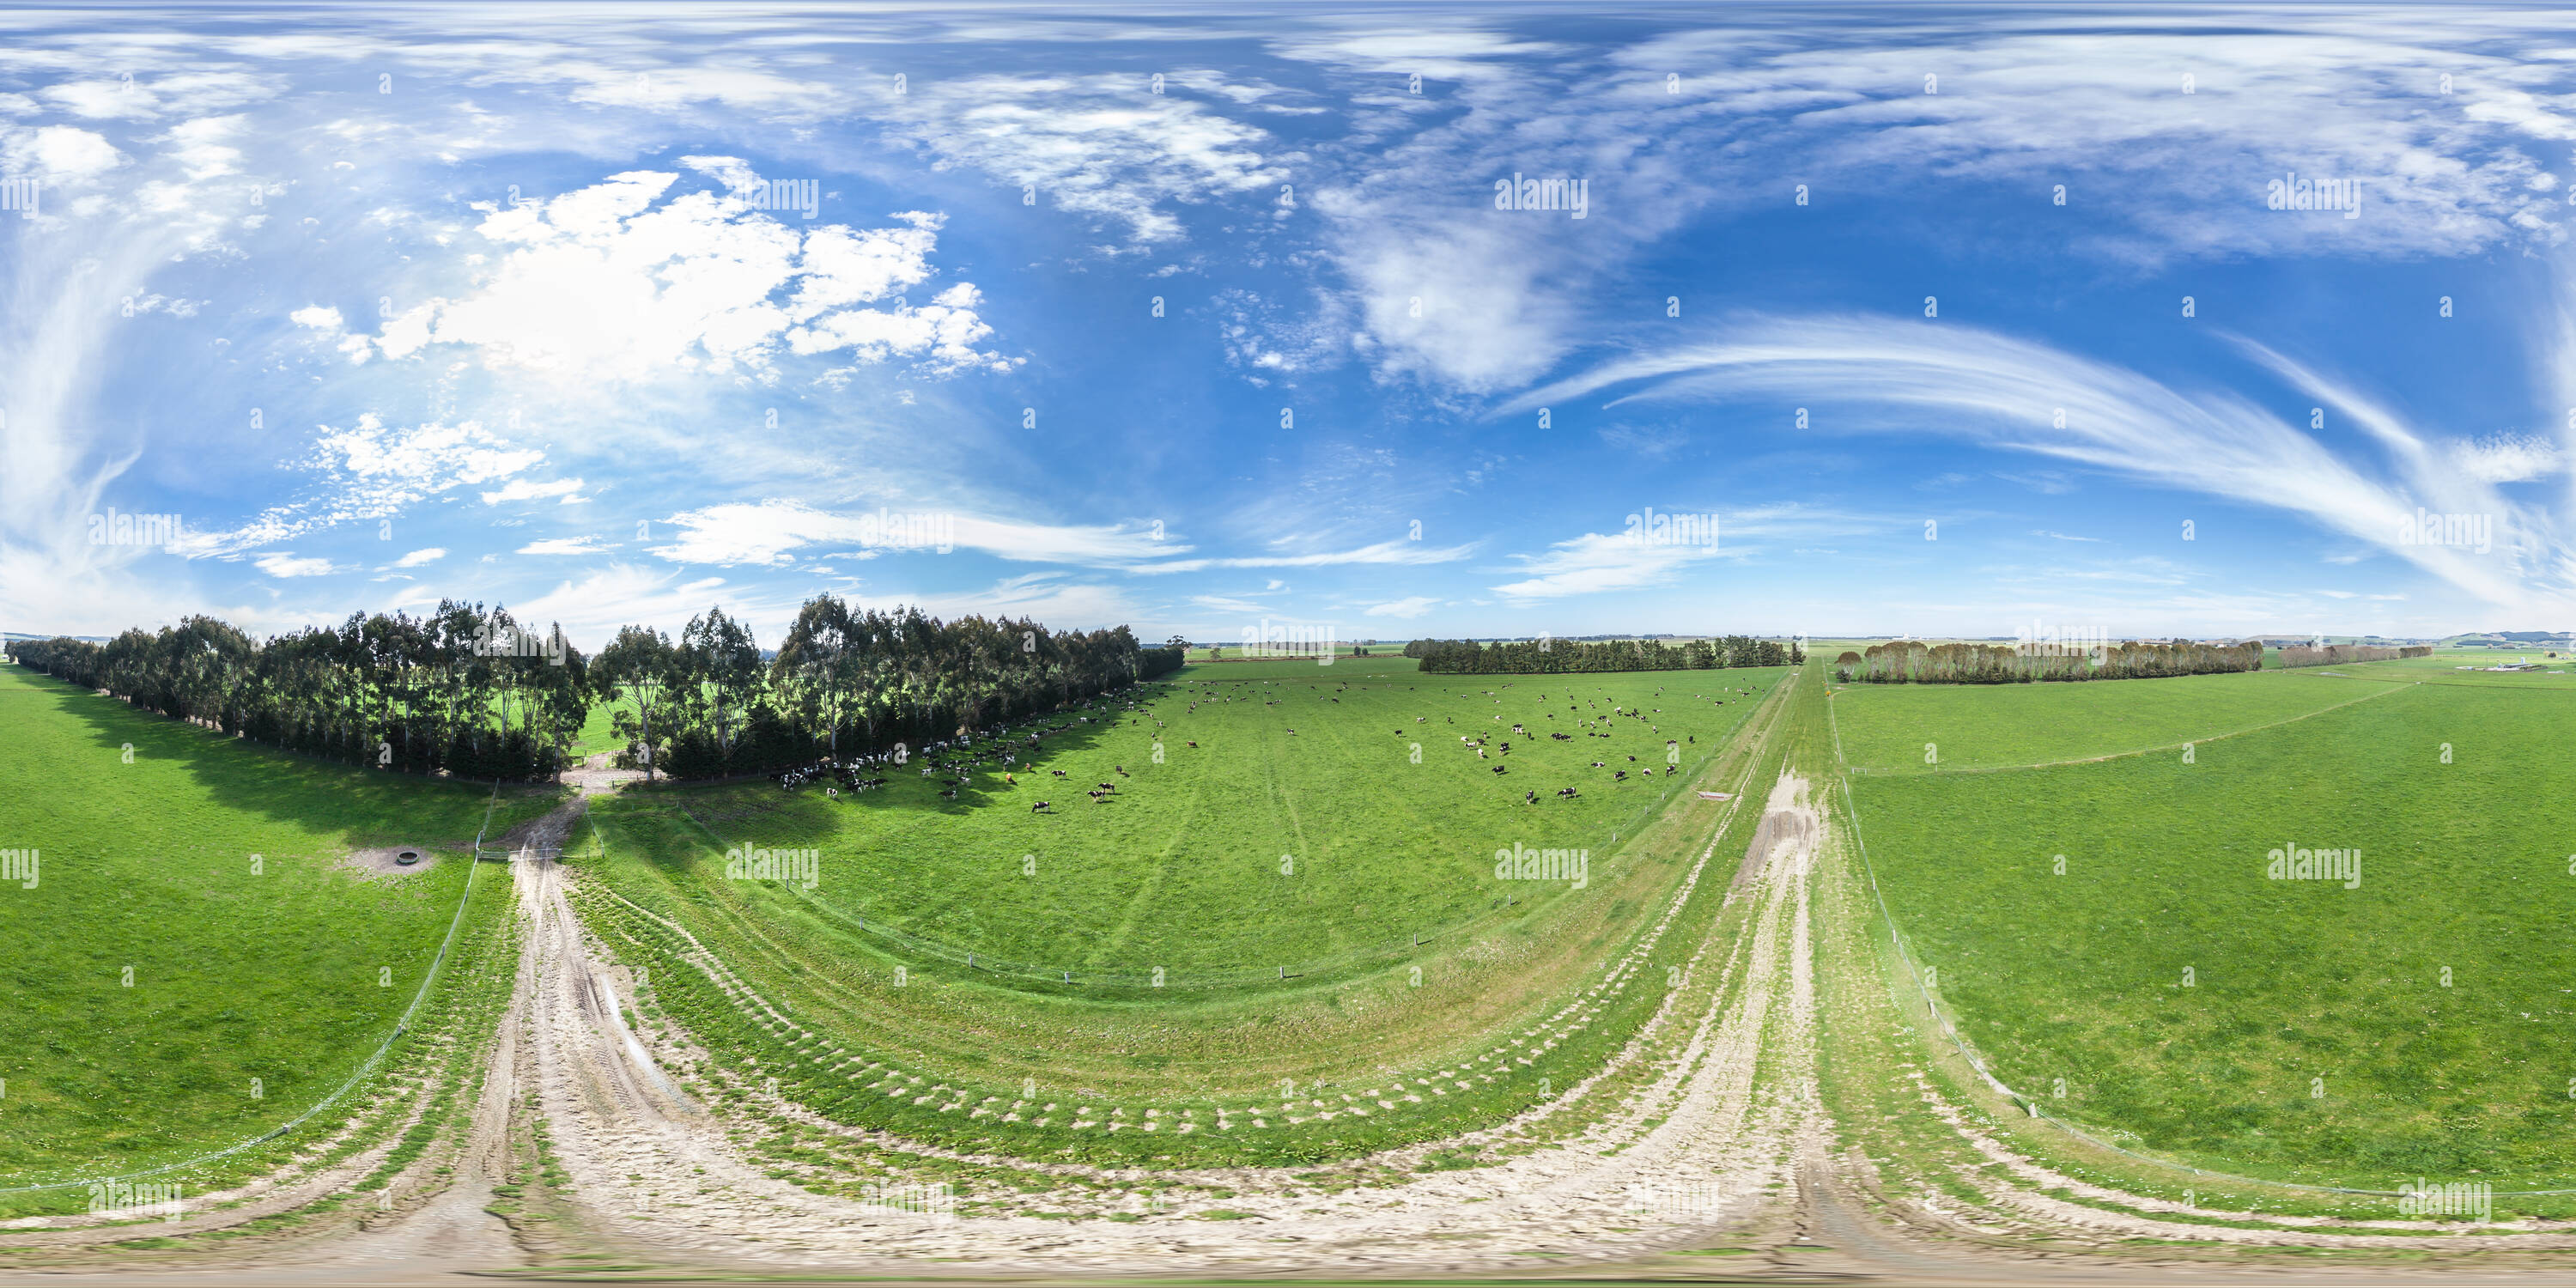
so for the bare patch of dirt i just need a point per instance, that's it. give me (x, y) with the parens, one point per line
(379, 861)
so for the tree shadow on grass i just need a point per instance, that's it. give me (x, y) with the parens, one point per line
(369, 806)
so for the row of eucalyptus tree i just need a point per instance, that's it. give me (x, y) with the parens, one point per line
(846, 682)
(463, 690)
(466, 691)
(1555, 656)
(1915, 662)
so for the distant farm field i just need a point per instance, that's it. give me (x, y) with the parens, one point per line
(2417, 1023)
(153, 968)
(1268, 815)
(2473, 666)
(1885, 727)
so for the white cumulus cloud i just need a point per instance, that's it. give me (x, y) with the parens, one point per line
(614, 281)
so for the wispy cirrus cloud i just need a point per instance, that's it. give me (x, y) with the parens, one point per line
(773, 532)
(1397, 551)
(1103, 146)
(2003, 392)
(370, 471)
(1411, 606)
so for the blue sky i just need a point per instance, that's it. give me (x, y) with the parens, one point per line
(523, 305)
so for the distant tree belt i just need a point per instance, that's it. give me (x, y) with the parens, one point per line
(1569, 657)
(2332, 654)
(1914, 662)
(468, 692)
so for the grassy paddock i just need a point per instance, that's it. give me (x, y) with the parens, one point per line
(2429, 1005)
(1365, 1035)
(1298, 832)
(1985, 726)
(291, 975)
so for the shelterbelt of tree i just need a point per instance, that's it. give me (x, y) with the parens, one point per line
(1915, 662)
(1572, 657)
(469, 691)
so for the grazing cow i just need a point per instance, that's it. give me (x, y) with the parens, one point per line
(1122, 770)
(1500, 768)
(1095, 796)
(1057, 772)
(1192, 745)
(1619, 776)
(1530, 797)
(1041, 807)
(1109, 787)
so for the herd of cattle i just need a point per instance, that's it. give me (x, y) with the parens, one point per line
(954, 762)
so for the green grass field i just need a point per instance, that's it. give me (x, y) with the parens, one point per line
(291, 974)
(1182, 871)
(1984, 726)
(2419, 1024)
(2471, 666)
(1299, 828)
(598, 732)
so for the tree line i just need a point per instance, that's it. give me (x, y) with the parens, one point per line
(461, 689)
(848, 683)
(469, 692)
(1914, 662)
(2334, 654)
(1553, 656)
